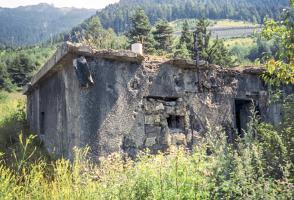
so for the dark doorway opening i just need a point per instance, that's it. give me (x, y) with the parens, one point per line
(42, 123)
(176, 123)
(242, 114)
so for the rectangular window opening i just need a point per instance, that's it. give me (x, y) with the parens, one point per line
(176, 123)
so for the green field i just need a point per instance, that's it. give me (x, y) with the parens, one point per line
(246, 41)
(178, 24)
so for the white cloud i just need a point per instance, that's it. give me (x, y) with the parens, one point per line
(59, 3)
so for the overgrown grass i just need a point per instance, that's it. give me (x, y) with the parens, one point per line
(12, 124)
(226, 172)
(244, 41)
(12, 118)
(232, 23)
(14, 133)
(9, 104)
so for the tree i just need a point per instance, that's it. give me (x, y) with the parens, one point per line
(220, 55)
(95, 34)
(140, 28)
(163, 35)
(203, 37)
(211, 51)
(20, 69)
(261, 51)
(150, 43)
(186, 37)
(281, 69)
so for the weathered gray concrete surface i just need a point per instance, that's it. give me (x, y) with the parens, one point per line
(136, 104)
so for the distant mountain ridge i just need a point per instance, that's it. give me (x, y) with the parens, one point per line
(28, 25)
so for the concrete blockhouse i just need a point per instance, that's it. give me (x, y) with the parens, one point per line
(121, 101)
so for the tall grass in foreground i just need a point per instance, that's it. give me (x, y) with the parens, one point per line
(229, 172)
(12, 118)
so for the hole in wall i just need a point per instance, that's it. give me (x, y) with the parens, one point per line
(176, 123)
(42, 123)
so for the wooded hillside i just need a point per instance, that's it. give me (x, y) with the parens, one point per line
(27, 25)
(117, 16)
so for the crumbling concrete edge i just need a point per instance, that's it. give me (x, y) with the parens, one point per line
(80, 50)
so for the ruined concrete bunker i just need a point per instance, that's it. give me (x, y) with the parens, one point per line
(119, 101)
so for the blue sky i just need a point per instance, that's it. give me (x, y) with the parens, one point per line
(59, 3)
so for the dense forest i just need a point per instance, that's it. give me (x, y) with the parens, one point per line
(117, 16)
(29, 25)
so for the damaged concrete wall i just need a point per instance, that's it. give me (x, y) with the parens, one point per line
(154, 105)
(53, 110)
(131, 106)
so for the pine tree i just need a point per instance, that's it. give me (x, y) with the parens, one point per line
(21, 69)
(219, 54)
(204, 36)
(213, 52)
(149, 45)
(140, 27)
(186, 37)
(163, 36)
(95, 34)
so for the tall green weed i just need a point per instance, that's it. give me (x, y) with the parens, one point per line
(230, 171)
